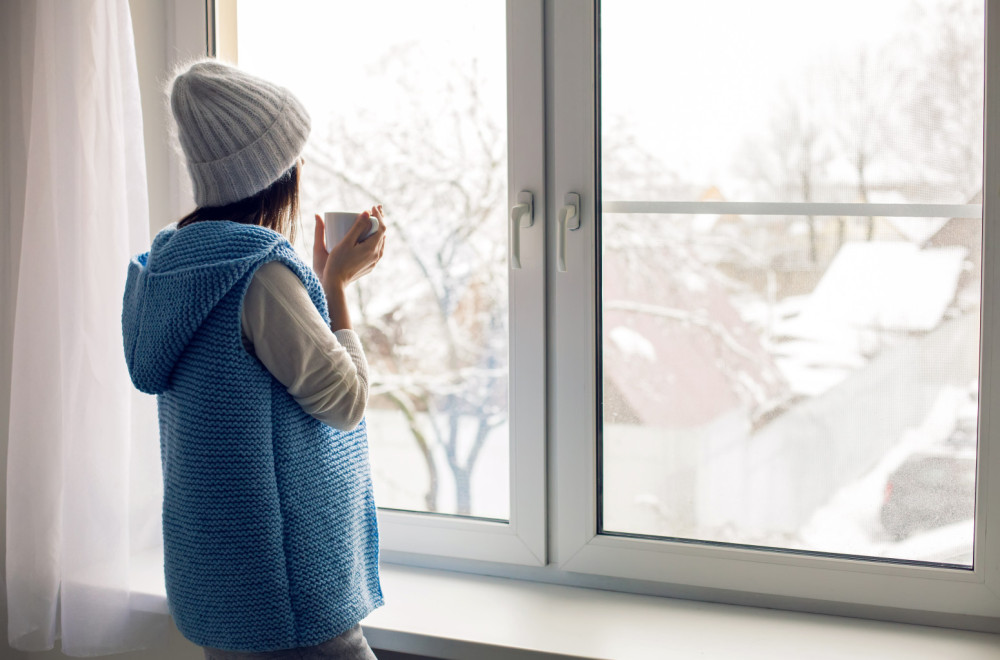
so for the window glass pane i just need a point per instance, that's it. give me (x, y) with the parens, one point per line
(794, 377)
(411, 113)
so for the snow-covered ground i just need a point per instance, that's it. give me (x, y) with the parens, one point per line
(400, 473)
(849, 522)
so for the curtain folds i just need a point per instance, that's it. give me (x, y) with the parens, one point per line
(74, 480)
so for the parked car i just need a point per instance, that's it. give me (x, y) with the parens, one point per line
(931, 488)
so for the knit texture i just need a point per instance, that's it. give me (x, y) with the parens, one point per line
(269, 530)
(239, 133)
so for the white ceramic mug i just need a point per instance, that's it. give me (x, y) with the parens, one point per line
(338, 223)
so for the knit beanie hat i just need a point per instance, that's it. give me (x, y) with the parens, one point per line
(239, 133)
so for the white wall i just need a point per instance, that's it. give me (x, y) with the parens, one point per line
(148, 21)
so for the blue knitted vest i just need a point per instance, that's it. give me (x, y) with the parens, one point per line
(269, 531)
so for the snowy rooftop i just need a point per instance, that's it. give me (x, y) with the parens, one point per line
(883, 285)
(869, 287)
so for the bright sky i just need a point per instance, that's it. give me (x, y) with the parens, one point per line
(696, 77)
(347, 37)
(693, 78)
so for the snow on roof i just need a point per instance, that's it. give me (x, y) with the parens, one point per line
(820, 355)
(630, 342)
(868, 287)
(887, 285)
(917, 230)
(811, 380)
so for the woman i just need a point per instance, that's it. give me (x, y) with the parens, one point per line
(269, 531)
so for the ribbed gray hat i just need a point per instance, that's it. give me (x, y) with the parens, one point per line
(239, 133)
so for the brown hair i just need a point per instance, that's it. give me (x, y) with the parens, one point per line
(276, 207)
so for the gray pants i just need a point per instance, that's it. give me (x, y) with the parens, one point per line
(350, 645)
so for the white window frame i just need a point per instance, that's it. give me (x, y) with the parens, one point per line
(712, 571)
(521, 540)
(405, 536)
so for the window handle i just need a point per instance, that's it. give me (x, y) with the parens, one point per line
(569, 218)
(521, 215)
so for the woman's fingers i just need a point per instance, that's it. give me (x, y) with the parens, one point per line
(319, 246)
(376, 213)
(362, 225)
(382, 226)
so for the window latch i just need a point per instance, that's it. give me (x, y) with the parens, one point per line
(521, 215)
(569, 218)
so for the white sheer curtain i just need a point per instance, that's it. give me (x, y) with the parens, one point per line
(75, 485)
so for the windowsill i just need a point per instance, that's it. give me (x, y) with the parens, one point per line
(459, 616)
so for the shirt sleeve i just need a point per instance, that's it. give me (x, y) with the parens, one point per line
(325, 372)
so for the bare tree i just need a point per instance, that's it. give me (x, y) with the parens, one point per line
(942, 129)
(792, 155)
(863, 111)
(434, 314)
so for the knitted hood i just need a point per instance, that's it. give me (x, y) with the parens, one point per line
(171, 289)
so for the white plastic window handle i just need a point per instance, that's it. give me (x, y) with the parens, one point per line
(521, 215)
(569, 218)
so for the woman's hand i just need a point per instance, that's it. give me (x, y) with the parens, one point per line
(352, 257)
